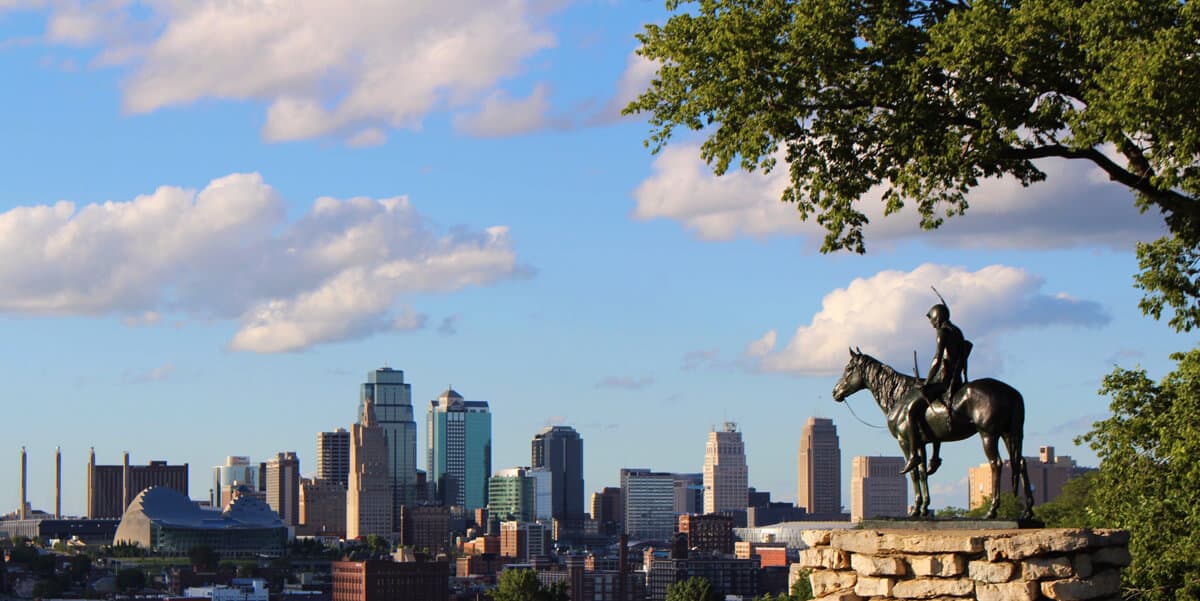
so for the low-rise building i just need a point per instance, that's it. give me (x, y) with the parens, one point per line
(385, 580)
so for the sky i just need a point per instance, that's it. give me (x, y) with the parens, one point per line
(216, 217)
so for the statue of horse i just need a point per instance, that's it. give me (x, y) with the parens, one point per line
(986, 406)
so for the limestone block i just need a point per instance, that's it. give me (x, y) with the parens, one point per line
(1030, 543)
(815, 538)
(841, 596)
(1021, 590)
(1082, 562)
(875, 565)
(1103, 537)
(825, 582)
(991, 572)
(1046, 568)
(942, 565)
(824, 557)
(1112, 556)
(877, 542)
(1101, 584)
(926, 588)
(869, 586)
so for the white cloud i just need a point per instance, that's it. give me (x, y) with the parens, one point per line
(143, 376)
(884, 315)
(626, 382)
(1076, 206)
(499, 115)
(339, 272)
(635, 79)
(344, 68)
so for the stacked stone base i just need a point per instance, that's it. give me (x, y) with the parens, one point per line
(1008, 565)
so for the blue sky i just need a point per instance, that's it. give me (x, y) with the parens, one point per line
(215, 218)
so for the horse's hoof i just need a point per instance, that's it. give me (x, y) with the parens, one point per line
(934, 465)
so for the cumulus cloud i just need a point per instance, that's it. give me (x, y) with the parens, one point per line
(635, 79)
(1076, 206)
(349, 69)
(883, 314)
(500, 115)
(340, 271)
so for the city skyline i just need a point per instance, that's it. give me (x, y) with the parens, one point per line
(205, 250)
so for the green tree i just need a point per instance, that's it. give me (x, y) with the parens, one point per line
(802, 590)
(1070, 508)
(523, 585)
(1010, 508)
(925, 98)
(1149, 476)
(695, 588)
(377, 544)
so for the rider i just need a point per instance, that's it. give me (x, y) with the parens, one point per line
(946, 375)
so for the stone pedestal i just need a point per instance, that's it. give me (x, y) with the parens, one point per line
(990, 565)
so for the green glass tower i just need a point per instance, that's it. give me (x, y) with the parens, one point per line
(392, 398)
(459, 450)
(512, 495)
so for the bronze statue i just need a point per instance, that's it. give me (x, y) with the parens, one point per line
(985, 406)
(946, 376)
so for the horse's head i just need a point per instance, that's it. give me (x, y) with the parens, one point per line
(853, 379)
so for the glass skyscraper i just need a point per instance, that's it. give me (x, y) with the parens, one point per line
(559, 449)
(394, 414)
(459, 450)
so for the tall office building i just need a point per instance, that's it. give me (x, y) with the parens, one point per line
(689, 493)
(877, 488)
(607, 510)
(649, 504)
(111, 488)
(511, 495)
(283, 486)
(1047, 473)
(458, 446)
(392, 398)
(726, 479)
(370, 495)
(820, 469)
(237, 471)
(560, 450)
(333, 456)
(322, 508)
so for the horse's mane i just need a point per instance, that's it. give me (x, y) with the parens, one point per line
(887, 384)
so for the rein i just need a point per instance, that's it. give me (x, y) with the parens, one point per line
(846, 402)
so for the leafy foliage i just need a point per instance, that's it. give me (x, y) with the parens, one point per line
(1069, 509)
(695, 588)
(925, 98)
(1149, 476)
(126, 549)
(1010, 508)
(523, 585)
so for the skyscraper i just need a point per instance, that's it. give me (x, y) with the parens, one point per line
(394, 415)
(820, 468)
(726, 480)
(560, 450)
(511, 495)
(877, 488)
(237, 471)
(649, 503)
(370, 495)
(459, 450)
(333, 456)
(283, 486)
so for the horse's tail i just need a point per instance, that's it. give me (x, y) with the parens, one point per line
(1013, 441)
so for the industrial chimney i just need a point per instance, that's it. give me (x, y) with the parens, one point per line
(58, 483)
(24, 498)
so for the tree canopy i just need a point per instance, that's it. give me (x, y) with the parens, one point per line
(695, 588)
(1149, 476)
(927, 97)
(523, 585)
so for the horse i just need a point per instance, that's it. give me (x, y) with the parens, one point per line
(985, 406)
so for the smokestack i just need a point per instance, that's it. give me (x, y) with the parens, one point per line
(57, 483)
(125, 484)
(24, 499)
(623, 568)
(91, 496)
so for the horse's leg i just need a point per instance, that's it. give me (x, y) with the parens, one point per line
(992, 452)
(924, 478)
(918, 500)
(1020, 472)
(936, 461)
